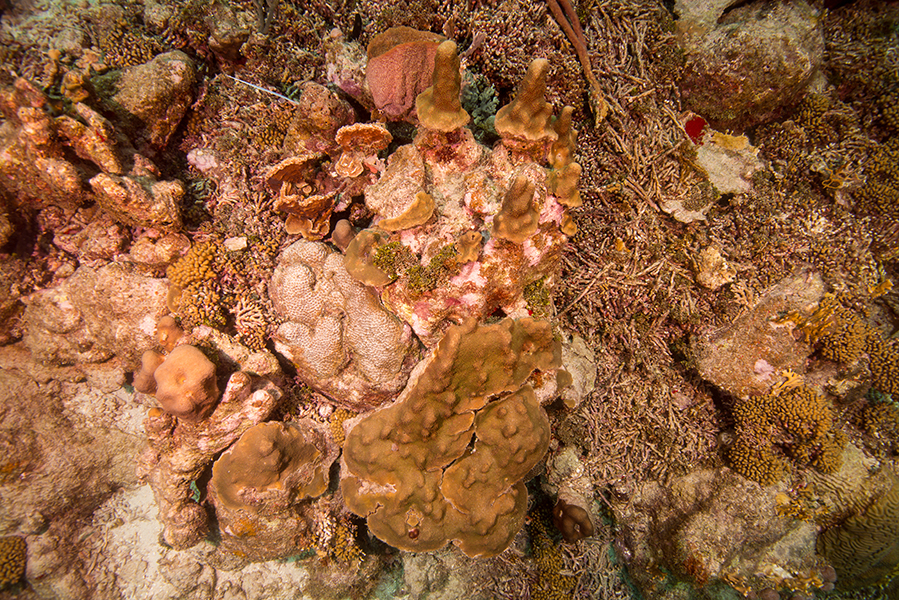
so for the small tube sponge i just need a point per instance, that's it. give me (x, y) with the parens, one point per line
(518, 219)
(273, 457)
(185, 384)
(528, 116)
(439, 107)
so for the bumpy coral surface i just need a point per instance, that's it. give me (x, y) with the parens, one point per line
(259, 484)
(445, 462)
(336, 333)
(12, 560)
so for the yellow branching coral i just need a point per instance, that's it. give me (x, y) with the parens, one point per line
(445, 462)
(794, 422)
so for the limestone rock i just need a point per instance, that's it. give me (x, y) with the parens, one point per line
(750, 65)
(743, 357)
(95, 314)
(157, 94)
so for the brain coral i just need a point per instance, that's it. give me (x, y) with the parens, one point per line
(445, 462)
(343, 343)
(864, 549)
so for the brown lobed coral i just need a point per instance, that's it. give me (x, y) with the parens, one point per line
(446, 461)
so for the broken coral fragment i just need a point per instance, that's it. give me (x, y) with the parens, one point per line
(446, 461)
(439, 107)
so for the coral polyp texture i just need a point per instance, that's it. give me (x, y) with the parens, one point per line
(341, 340)
(445, 462)
(793, 424)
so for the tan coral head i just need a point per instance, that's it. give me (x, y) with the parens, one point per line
(439, 107)
(185, 384)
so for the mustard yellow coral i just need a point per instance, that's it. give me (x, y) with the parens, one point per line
(794, 422)
(553, 583)
(12, 560)
(194, 267)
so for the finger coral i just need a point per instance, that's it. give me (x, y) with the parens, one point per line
(445, 462)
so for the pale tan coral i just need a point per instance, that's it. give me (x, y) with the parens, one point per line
(335, 331)
(439, 107)
(359, 142)
(186, 385)
(518, 219)
(411, 469)
(417, 214)
(343, 234)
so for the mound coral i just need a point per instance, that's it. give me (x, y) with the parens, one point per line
(445, 462)
(257, 484)
(343, 343)
(185, 384)
(400, 66)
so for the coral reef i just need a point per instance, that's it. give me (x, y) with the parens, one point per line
(504, 195)
(12, 560)
(863, 548)
(432, 488)
(181, 450)
(186, 385)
